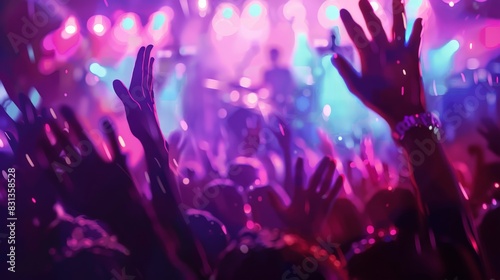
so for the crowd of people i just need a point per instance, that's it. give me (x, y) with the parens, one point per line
(261, 210)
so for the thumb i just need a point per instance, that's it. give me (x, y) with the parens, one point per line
(348, 73)
(122, 92)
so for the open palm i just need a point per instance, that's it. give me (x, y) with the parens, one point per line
(390, 82)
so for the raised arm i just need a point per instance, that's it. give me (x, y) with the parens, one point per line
(139, 104)
(390, 83)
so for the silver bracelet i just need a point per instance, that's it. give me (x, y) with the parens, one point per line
(426, 120)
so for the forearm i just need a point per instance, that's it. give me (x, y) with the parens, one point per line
(166, 206)
(439, 189)
(431, 170)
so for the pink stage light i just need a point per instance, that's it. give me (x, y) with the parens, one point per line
(158, 27)
(226, 20)
(70, 28)
(254, 21)
(127, 27)
(98, 25)
(202, 7)
(489, 36)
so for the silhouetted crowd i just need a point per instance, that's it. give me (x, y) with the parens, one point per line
(255, 208)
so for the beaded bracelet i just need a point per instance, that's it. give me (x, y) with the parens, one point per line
(427, 120)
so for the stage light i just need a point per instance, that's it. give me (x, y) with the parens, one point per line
(35, 97)
(3, 92)
(202, 4)
(451, 3)
(489, 36)
(294, 10)
(226, 20)
(329, 14)
(12, 110)
(70, 28)
(452, 46)
(128, 23)
(473, 63)
(234, 96)
(327, 110)
(159, 20)
(127, 29)
(227, 12)
(255, 9)
(252, 98)
(332, 12)
(98, 28)
(158, 26)
(98, 25)
(98, 70)
(255, 25)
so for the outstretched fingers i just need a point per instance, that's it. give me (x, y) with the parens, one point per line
(136, 81)
(146, 71)
(124, 95)
(62, 143)
(415, 37)
(318, 175)
(398, 23)
(354, 30)
(337, 187)
(348, 73)
(74, 124)
(108, 129)
(150, 81)
(299, 176)
(328, 179)
(373, 23)
(277, 203)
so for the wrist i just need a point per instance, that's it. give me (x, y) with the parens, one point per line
(424, 124)
(156, 148)
(416, 135)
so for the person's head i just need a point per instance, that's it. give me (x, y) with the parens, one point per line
(488, 231)
(224, 200)
(210, 232)
(345, 222)
(268, 255)
(274, 55)
(393, 207)
(244, 127)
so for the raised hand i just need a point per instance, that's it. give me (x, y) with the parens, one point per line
(29, 130)
(35, 194)
(32, 176)
(309, 207)
(491, 132)
(90, 184)
(139, 100)
(390, 82)
(142, 118)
